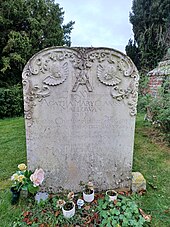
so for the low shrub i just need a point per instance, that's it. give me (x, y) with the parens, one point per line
(11, 102)
(143, 101)
(159, 109)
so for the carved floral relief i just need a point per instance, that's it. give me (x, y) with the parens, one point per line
(113, 69)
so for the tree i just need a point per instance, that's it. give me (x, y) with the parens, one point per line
(27, 26)
(151, 22)
(133, 52)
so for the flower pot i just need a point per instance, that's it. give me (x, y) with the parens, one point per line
(112, 195)
(24, 194)
(15, 196)
(68, 209)
(88, 197)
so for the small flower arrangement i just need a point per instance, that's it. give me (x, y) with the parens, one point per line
(67, 206)
(88, 191)
(68, 203)
(88, 187)
(25, 179)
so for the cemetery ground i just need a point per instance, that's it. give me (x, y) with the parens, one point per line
(151, 158)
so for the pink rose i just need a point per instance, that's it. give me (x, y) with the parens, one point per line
(37, 177)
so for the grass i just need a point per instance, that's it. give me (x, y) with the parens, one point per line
(153, 161)
(12, 147)
(150, 158)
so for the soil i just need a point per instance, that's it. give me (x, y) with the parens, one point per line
(68, 206)
(88, 191)
(111, 193)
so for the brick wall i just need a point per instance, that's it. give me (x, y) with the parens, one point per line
(154, 84)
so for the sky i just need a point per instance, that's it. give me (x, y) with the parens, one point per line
(99, 23)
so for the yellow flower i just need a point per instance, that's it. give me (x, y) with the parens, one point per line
(22, 167)
(20, 178)
(14, 177)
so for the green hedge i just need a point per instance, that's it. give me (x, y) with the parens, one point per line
(11, 101)
(143, 101)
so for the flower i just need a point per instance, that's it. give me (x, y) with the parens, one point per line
(69, 199)
(37, 177)
(90, 185)
(25, 179)
(22, 167)
(14, 177)
(60, 203)
(70, 196)
(20, 178)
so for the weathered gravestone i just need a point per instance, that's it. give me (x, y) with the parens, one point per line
(80, 106)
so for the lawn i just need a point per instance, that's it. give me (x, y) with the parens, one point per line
(150, 158)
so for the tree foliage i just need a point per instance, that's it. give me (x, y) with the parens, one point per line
(133, 52)
(27, 26)
(151, 27)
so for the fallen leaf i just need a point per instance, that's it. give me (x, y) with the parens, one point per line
(57, 213)
(121, 193)
(35, 220)
(88, 220)
(115, 202)
(87, 207)
(26, 219)
(91, 225)
(51, 196)
(26, 213)
(127, 193)
(167, 211)
(142, 192)
(95, 201)
(145, 216)
(95, 217)
(99, 196)
(42, 225)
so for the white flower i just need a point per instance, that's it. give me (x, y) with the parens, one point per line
(70, 195)
(60, 203)
(15, 177)
(90, 185)
(37, 177)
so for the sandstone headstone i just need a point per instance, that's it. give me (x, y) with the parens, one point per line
(80, 107)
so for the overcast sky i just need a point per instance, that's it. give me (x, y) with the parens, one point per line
(99, 23)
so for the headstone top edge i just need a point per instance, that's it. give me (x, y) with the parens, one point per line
(78, 49)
